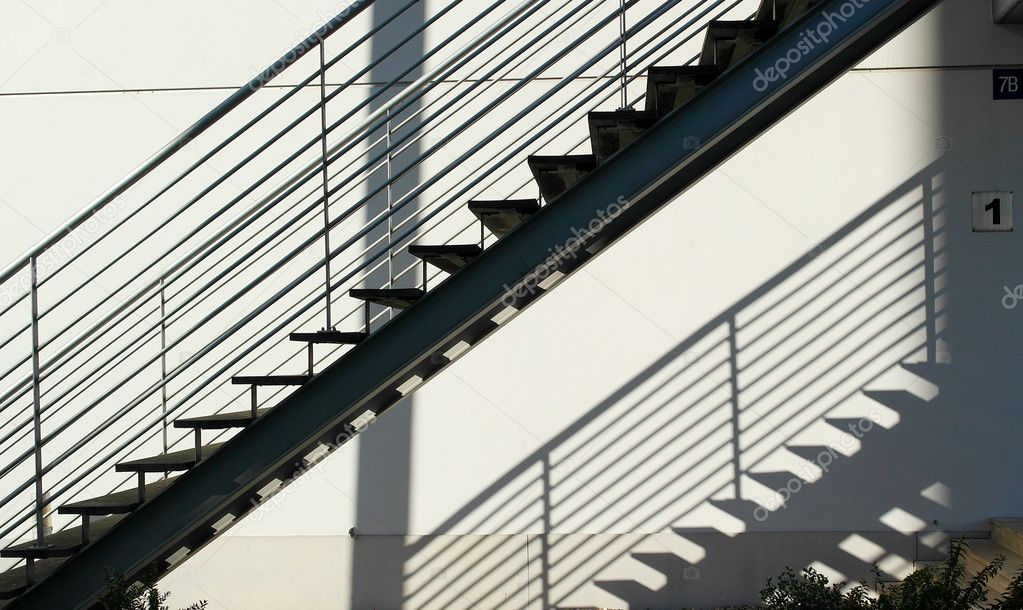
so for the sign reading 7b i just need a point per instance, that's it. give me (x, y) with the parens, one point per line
(1008, 83)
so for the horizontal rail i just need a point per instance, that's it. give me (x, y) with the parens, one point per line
(184, 138)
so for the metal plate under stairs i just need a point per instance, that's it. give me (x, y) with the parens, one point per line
(555, 174)
(502, 217)
(612, 131)
(670, 87)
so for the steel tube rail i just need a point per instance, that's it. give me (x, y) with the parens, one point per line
(222, 179)
(305, 275)
(438, 113)
(445, 65)
(252, 122)
(396, 240)
(248, 159)
(279, 193)
(182, 140)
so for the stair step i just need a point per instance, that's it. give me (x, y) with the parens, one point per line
(220, 421)
(170, 462)
(1008, 533)
(784, 11)
(329, 337)
(116, 503)
(501, 217)
(557, 174)
(447, 257)
(270, 380)
(669, 87)
(613, 131)
(63, 543)
(399, 298)
(13, 584)
(980, 553)
(728, 42)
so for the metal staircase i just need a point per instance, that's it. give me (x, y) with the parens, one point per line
(82, 405)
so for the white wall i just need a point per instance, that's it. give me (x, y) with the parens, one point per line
(620, 443)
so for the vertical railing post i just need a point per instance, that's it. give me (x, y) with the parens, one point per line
(163, 362)
(623, 55)
(390, 206)
(37, 407)
(326, 188)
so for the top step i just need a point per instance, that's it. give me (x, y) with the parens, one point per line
(501, 217)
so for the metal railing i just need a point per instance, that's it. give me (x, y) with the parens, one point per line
(337, 196)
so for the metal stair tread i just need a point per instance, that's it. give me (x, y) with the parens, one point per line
(64, 543)
(174, 461)
(388, 297)
(270, 380)
(115, 503)
(219, 421)
(503, 216)
(329, 337)
(446, 257)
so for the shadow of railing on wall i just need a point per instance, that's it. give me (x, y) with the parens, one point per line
(700, 443)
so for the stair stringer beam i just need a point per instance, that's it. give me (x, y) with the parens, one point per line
(656, 168)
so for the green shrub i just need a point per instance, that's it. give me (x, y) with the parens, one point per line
(944, 587)
(139, 595)
(810, 590)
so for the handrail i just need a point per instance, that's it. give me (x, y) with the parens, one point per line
(184, 138)
(262, 205)
(176, 269)
(262, 234)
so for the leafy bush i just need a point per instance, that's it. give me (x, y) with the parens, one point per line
(810, 590)
(944, 587)
(140, 595)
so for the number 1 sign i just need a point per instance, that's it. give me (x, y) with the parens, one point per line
(992, 211)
